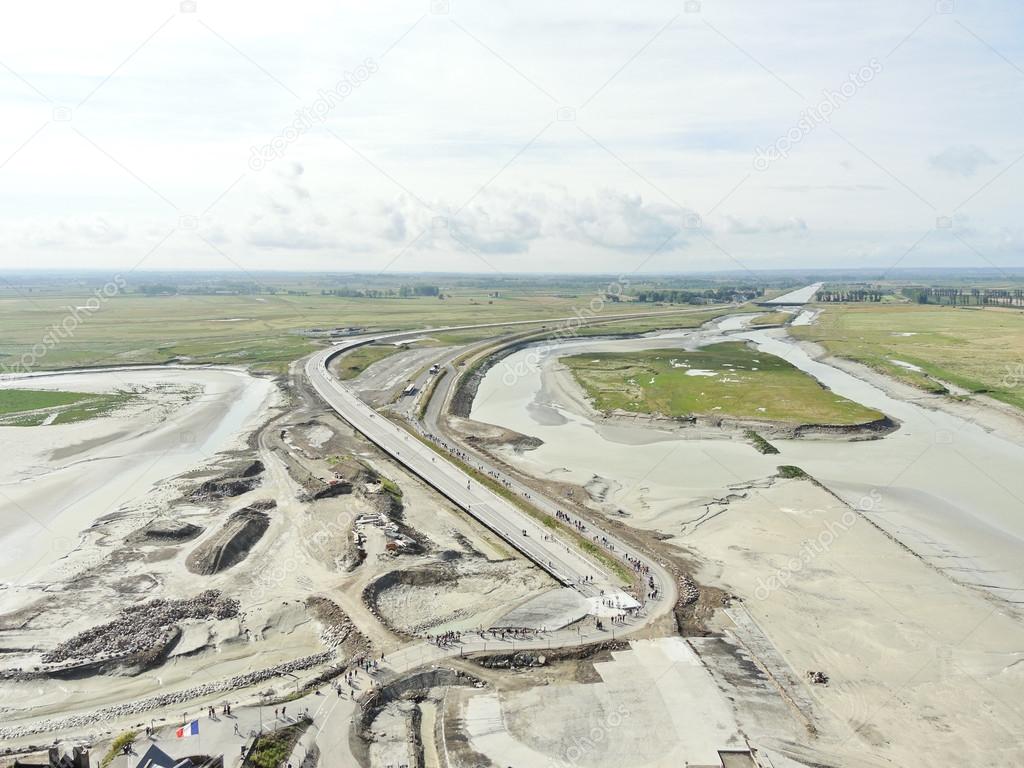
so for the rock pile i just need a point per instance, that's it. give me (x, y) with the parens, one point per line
(337, 627)
(518, 660)
(321, 490)
(235, 484)
(113, 713)
(165, 531)
(689, 592)
(818, 678)
(141, 628)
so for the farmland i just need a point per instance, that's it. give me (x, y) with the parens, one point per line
(263, 332)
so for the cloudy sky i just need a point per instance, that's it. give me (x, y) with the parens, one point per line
(505, 137)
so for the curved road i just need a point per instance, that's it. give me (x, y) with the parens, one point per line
(551, 551)
(560, 558)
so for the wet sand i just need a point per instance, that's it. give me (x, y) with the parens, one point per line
(59, 479)
(902, 587)
(946, 487)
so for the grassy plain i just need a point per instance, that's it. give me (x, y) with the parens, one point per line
(350, 365)
(980, 350)
(32, 407)
(772, 318)
(686, 318)
(265, 331)
(727, 379)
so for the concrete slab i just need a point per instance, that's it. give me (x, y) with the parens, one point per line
(656, 706)
(799, 296)
(612, 603)
(552, 610)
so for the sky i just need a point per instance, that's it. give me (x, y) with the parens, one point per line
(504, 137)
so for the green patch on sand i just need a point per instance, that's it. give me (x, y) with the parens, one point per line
(728, 379)
(353, 363)
(773, 319)
(34, 407)
(271, 750)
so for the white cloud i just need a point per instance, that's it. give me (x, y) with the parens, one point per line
(624, 222)
(763, 225)
(674, 118)
(69, 232)
(500, 223)
(963, 160)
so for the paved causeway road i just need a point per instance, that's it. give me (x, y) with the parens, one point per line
(559, 557)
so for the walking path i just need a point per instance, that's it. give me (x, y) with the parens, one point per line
(332, 713)
(559, 557)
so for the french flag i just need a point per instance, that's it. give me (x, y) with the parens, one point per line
(192, 729)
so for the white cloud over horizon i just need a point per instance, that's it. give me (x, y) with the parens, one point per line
(580, 137)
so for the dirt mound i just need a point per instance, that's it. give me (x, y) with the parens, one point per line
(491, 436)
(338, 631)
(263, 505)
(231, 544)
(165, 531)
(331, 489)
(592, 652)
(252, 469)
(240, 480)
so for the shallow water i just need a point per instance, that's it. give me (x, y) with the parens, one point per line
(944, 486)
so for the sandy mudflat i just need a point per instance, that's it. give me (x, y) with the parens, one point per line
(57, 480)
(948, 488)
(913, 607)
(921, 668)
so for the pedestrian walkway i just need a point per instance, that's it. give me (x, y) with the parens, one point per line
(333, 705)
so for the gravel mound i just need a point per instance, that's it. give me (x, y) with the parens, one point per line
(142, 629)
(106, 714)
(165, 531)
(237, 482)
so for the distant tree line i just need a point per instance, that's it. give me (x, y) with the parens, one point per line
(850, 294)
(158, 289)
(403, 292)
(233, 289)
(967, 297)
(706, 296)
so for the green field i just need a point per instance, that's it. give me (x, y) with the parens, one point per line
(727, 379)
(350, 365)
(686, 319)
(32, 407)
(980, 350)
(264, 331)
(772, 318)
